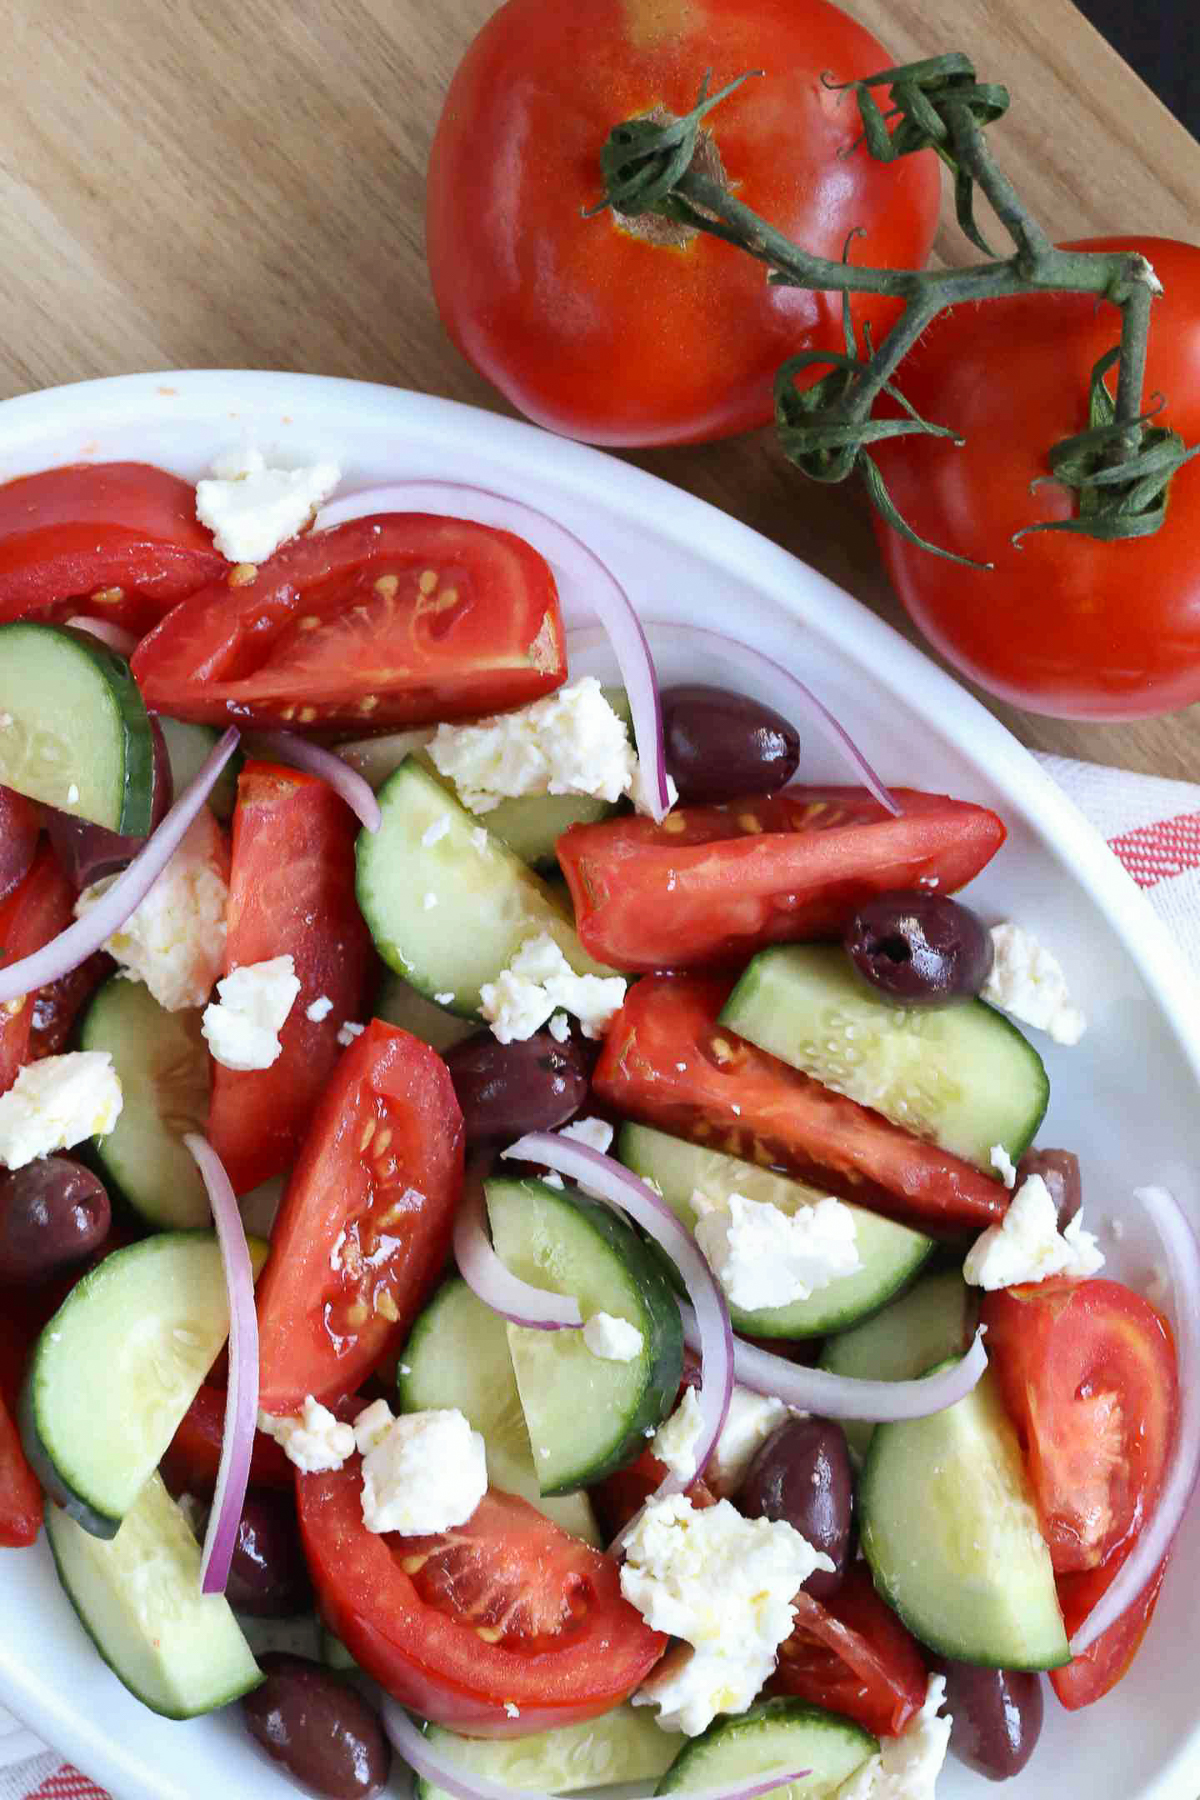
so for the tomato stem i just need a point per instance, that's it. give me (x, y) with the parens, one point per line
(1119, 469)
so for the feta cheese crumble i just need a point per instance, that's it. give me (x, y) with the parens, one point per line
(725, 1585)
(242, 1027)
(1028, 1246)
(612, 1339)
(752, 1418)
(560, 1028)
(175, 940)
(763, 1256)
(348, 1032)
(251, 509)
(1004, 1165)
(427, 1472)
(597, 1134)
(56, 1103)
(907, 1767)
(320, 1009)
(372, 1425)
(571, 742)
(315, 1442)
(1028, 982)
(676, 1438)
(540, 982)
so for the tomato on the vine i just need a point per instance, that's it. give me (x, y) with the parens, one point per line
(1064, 623)
(634, 332)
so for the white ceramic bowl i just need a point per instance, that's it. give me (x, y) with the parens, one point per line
(1125, 1099)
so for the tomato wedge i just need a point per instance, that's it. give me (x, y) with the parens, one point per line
(401, 619)
(33, 914)
(668, 1061)
(1098, 1669)
(713, 884)
(365, 1223)
(21, 1502)
(506, 1608)
(119, 541)
(191, 1462)
(1088, 1374)
(852, 1655)
(291, 891)
(19, 829)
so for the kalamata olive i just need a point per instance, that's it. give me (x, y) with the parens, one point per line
(504, 1090)
(1059, 1169)
(268, 1576)
(327, 1737)
(919, 948)
(89, 852)
(721, 745)
(802, 1474)
(53, 1213)
(997, 1717)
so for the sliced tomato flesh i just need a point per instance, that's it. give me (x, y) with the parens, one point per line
(1097, 1670)
(402, 619)
(506, 1610)
(21, 1502)
(193, 1458)
(853, 1656)
(365, 1223)
(34, 913)
(119, 541)
(1089, 1378)
(20, 827)
(291, 893)
(713, 884)
(668, 1061)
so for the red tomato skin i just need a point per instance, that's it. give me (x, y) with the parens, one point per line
(21, 1503)
(1088, 1374)
(733, 1097)
(20, 828)
(247, 651)
(438, 1664)
(291, 891)
(713, 885)
(193, 1458)
(853, 1655)
(116, 541)
(1094, 1673)
(1064, 625)
(586, 327)
(346, 1177)
(33, 914)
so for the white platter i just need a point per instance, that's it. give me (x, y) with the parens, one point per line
(1125, 1099)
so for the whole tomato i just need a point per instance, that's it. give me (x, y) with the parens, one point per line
(1063, 624)
(633, 332)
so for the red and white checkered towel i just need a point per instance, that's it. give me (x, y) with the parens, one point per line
(1154, 828)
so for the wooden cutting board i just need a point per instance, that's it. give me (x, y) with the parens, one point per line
(239, 184)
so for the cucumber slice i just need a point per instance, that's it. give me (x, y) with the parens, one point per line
(458, 1356)
(933, 1321)
(399, 1003)
(890, 1253)
(622, 1745)
(163, 1065)
(138, 1598)
(117, 1367)
(950, 1531)
(962, 1075)
(488, 902)
(586, 1416)
(75, 732)
(378, 757)
(188, 746)
(774, 1734)
(334, 1653)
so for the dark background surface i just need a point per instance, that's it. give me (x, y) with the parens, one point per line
(1161, 39)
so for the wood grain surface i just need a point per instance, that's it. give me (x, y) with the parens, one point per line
(240, 184)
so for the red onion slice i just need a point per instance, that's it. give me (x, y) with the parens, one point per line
(241, 1403)
(580, 573)
(730, 651)
(115, 636)
(495, 1285)
(423, 1755)
(847, 1396)
(612, 1181)
(89, 934)
(298, 753)
(1183, 1264)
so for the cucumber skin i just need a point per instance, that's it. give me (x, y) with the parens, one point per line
(56, 1490)
(137, 809)
(770, 1713)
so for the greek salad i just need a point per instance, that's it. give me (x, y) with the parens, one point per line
(503, 1169)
